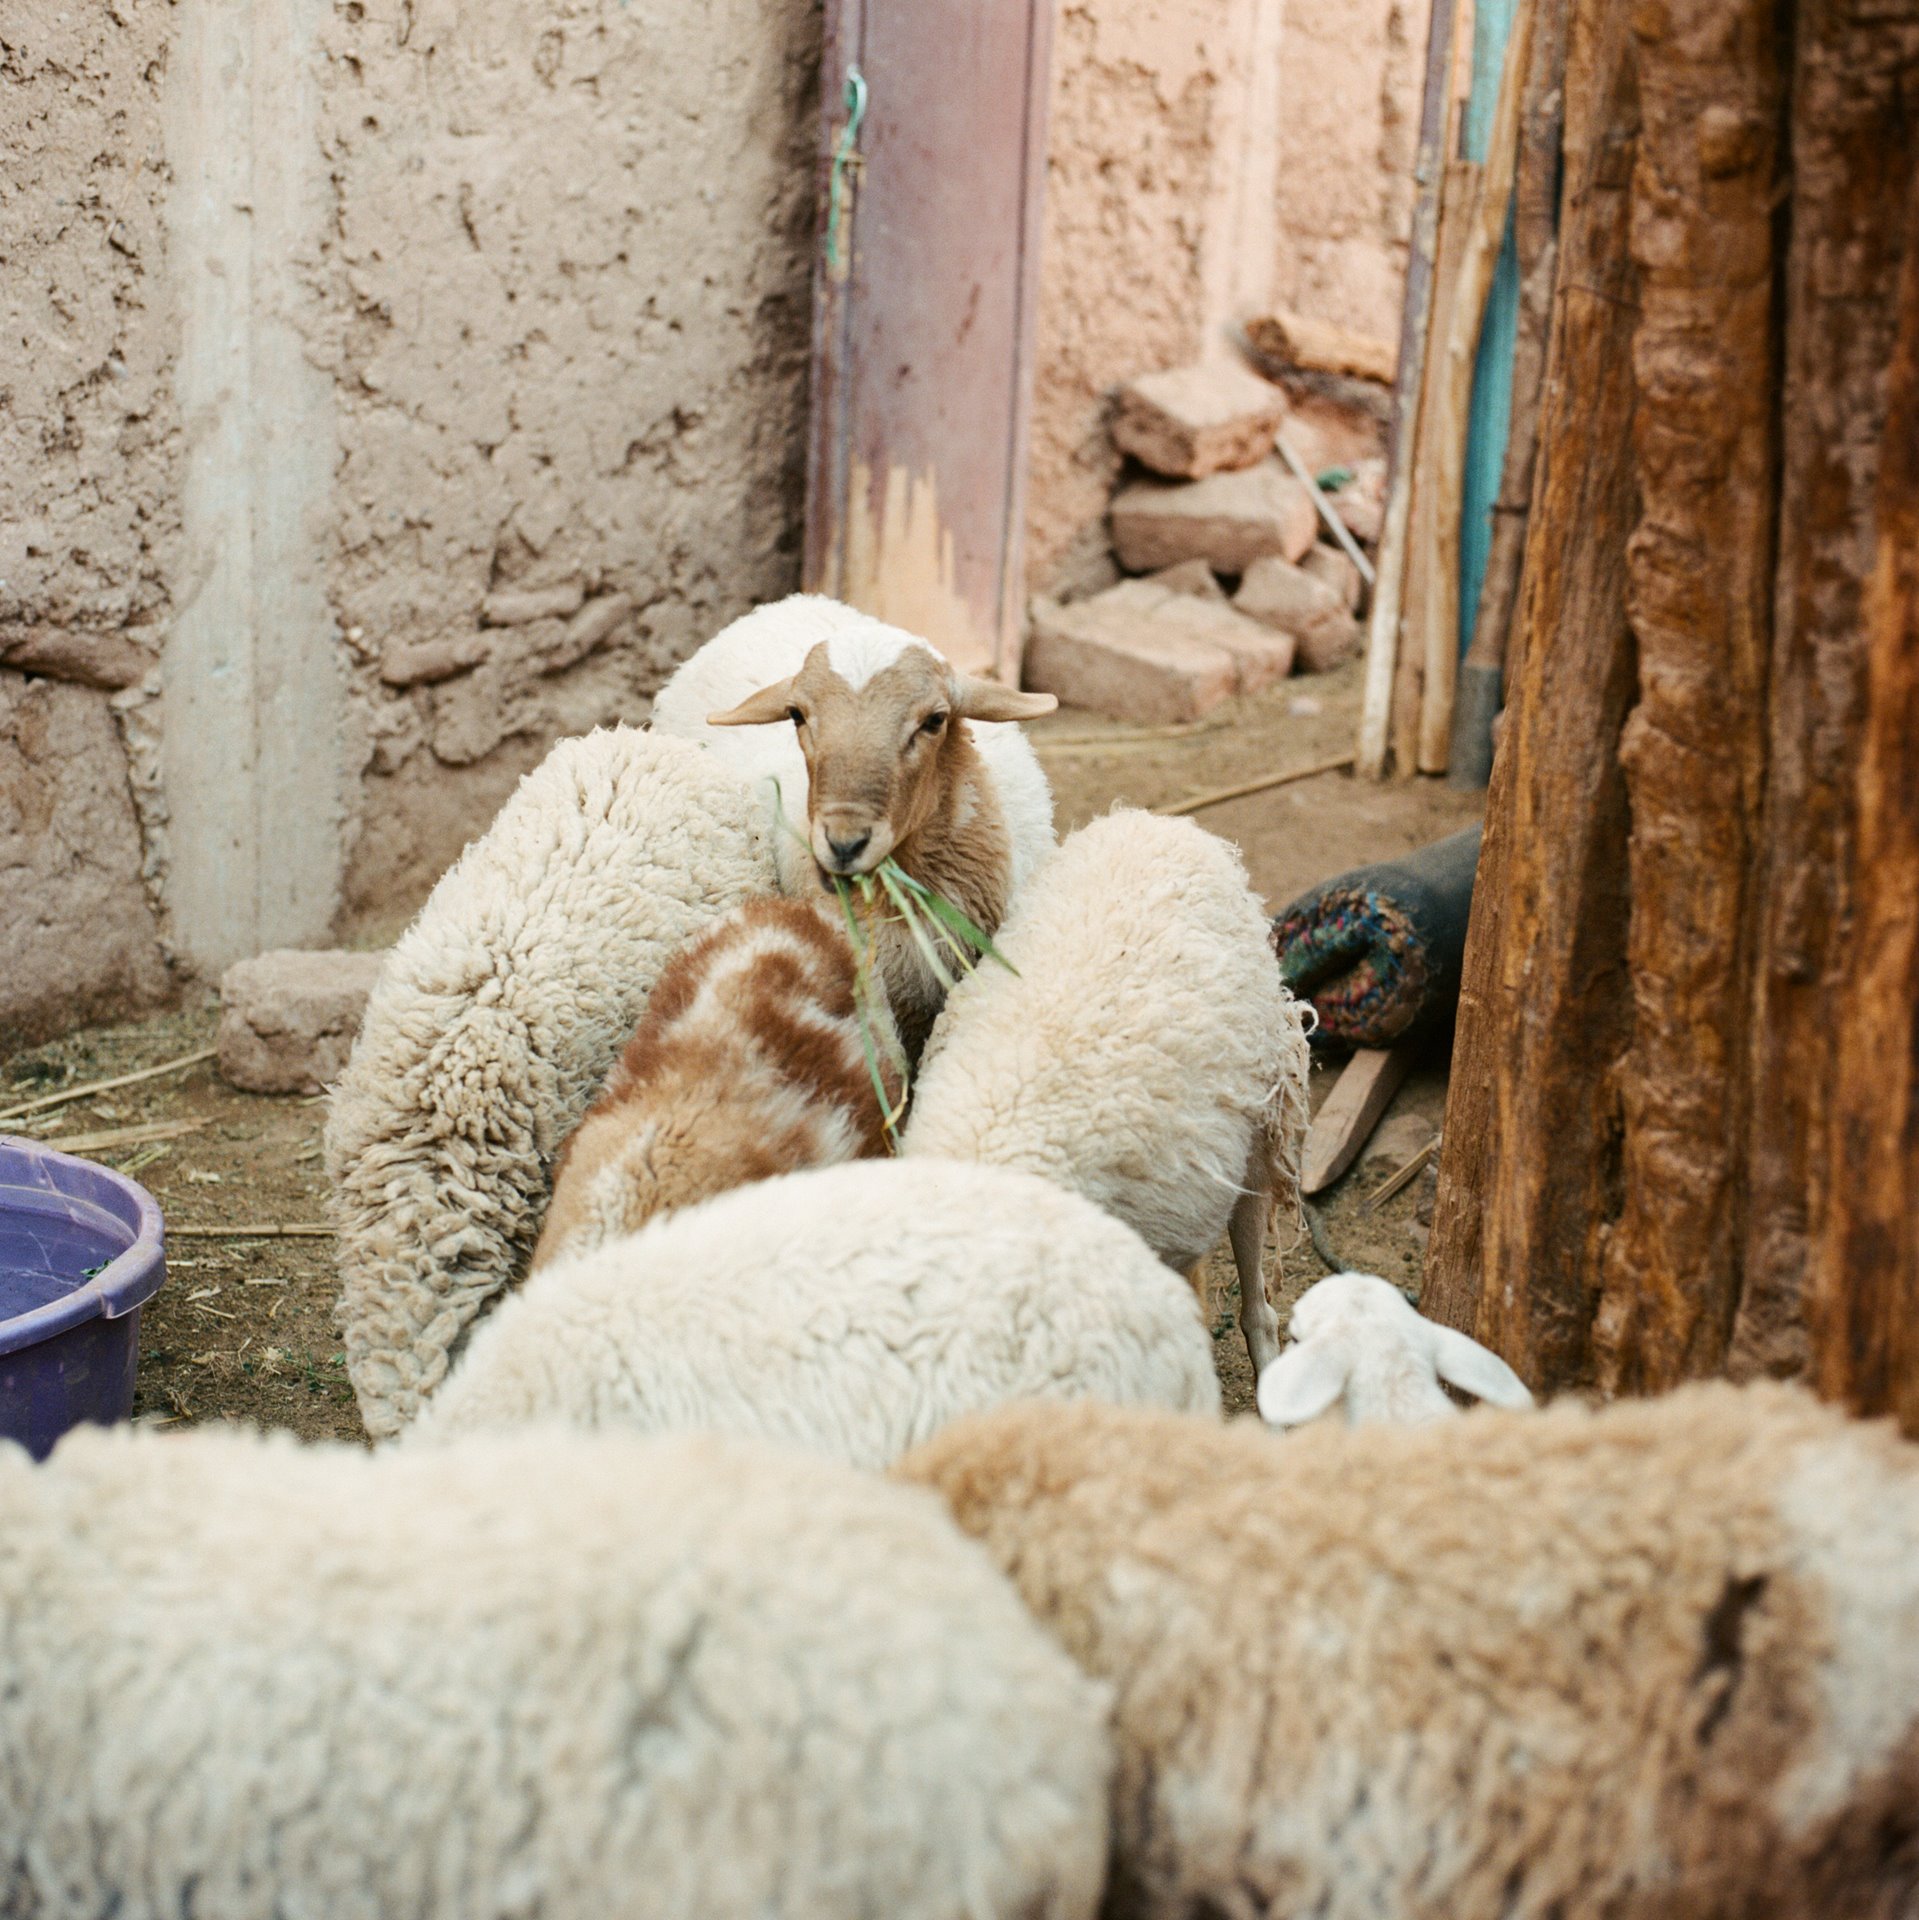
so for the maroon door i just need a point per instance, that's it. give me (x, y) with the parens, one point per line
(925, 292)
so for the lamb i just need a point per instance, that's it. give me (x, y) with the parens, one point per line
(1144, 1053)
(495, 1019)
(548, 1673)
(1653, 1660)
(853, 1309)
(751, 1060)
(1358, 1342)
(880, 747)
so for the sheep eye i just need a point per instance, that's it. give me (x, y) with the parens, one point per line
(796, 716)
(933, 723)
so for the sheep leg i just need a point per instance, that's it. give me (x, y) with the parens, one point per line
(1247, 1231)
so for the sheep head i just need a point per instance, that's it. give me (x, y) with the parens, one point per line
(1358, 1339)
(883, 757)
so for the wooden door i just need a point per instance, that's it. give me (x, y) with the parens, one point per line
(926, 287)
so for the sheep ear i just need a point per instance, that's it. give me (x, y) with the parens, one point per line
(1301, 1384)
(1476, 1370)
(757, 709)
(984, 700)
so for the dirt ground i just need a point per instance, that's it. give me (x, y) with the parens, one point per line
(243, 1328)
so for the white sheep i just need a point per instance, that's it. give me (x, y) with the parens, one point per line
(1658, 1659)
(551, 1674)
(1145, 1053)
(757, 1055)
(1359, 1342)
(494, 1021)
(854, 1309)
(864, 742)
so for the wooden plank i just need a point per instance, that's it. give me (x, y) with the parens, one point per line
(1453, 382)
(1854, 151)
(1424, 560)
(1865, 1271)
(1382, 634)
(1699, 594)
(1527, 1169)
(1476, 699)
(924, 339)
(1348, 1115)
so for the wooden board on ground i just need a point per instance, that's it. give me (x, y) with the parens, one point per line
(1345, 1122)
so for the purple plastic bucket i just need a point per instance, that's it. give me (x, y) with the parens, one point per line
(69, 1341)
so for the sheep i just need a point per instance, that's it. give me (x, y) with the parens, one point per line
(752, 1060)
(1358, 1342)
(494, 1020)
(853, 1309)
(880, 747)
(1654, 1660)
(549, 1673)
(1144, 1052)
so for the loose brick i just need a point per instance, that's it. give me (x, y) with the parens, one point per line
(288, 1018)
(1146, 652)
(520, 607)
(1192, 421)
(1229, 520)
(1335, 567)
(1190, 576)
(1293, 601)
(1362, 505)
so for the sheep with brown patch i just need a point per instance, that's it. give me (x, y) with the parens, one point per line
(753, 1059)
(865, 743)
(1661, 1659)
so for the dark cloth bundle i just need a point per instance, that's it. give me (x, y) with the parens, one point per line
(1377, 951)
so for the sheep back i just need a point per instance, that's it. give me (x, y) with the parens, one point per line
(493, 1022)
(1144, 1048)
(1661, 1659)
(852, 1309)
(549, 1673)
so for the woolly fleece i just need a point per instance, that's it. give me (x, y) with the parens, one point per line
(853, 1309)
(1657, 1660)
(545, 1674)
(493, 1022)
(1142, 1047)
(771, 643)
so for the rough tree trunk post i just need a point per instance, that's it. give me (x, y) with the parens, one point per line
(1526, 1176)
(1853, 153)
(1699, 593)
(1865, 1272)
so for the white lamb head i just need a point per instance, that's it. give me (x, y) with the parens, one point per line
(1358, 1341)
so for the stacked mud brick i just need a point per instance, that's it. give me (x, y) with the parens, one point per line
(1233, 585)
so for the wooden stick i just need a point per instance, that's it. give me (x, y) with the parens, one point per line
(126, 1136)
(1395, 1181)
(107, 1086)
(1382, 634)
(1340, 531)
(298, 1232)
(1239, 792)
(1350, 1113)
(1485, 232)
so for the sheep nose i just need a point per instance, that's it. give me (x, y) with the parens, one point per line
(845, 852)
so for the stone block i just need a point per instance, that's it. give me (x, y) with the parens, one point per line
(1145, 652)
(1192, 421)
(288, 1018)
(1229, 520)
(1361, 504)
(1291, 600)
(1190, 576)
(1334, 566)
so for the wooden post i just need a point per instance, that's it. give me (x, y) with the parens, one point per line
(1854, 150)
(1527, 1177)
(1536, 248)
(1865, 1304)
(1699, 595)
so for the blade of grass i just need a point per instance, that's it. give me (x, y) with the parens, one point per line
(863, 1004)
(943, 910)
(916, 927)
